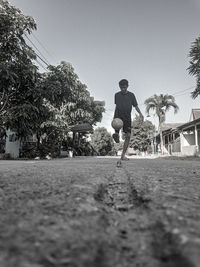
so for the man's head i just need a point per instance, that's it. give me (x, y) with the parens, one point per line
(123, 84)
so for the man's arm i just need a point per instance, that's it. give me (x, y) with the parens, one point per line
(140, 113)
(115, 113)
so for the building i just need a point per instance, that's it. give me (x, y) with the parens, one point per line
(183, 139)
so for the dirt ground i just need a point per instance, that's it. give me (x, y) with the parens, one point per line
(86, 212)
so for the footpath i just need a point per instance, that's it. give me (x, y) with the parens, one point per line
(86, 212)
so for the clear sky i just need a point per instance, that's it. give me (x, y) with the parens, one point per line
(144, 41)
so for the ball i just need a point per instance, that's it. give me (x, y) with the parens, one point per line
(117, 123)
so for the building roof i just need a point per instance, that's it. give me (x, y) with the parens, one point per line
(194, 119)
(189, 124)
(170, 126)
(195, 114)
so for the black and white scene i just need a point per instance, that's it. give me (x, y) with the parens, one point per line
(99, 133)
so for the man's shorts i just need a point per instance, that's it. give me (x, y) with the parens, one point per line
(126, 124)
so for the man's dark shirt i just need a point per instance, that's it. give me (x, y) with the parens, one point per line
(124, 103)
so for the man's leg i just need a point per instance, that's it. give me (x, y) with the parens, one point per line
(126, 143)
(116, 136)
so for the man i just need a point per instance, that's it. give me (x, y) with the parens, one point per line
(124, 100)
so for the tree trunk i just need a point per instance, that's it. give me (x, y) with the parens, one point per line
(161, 120)
(161, 141)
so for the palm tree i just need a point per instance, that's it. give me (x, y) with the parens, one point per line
(161, 104)
(194, 68)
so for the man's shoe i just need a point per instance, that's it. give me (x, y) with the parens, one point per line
(124, 158)
(116, 137)
(119, 164)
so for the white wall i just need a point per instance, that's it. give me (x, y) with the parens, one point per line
(12, 144)
(189, 139)
(189, 150)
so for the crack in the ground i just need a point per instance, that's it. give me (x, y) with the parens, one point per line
(120, 193)
(142, 233)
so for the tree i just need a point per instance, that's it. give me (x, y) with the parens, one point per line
(141, 134)
(102, 141)
(19, 97)
(65, 91)
(31, 102)
(68, 102)
(161, 104)
(194, 68)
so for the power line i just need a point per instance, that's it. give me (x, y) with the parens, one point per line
(183, 90)
(183, 94)
(42, 46)
(38, 51)
(176, 94)
(44, 61)
(41, 64)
